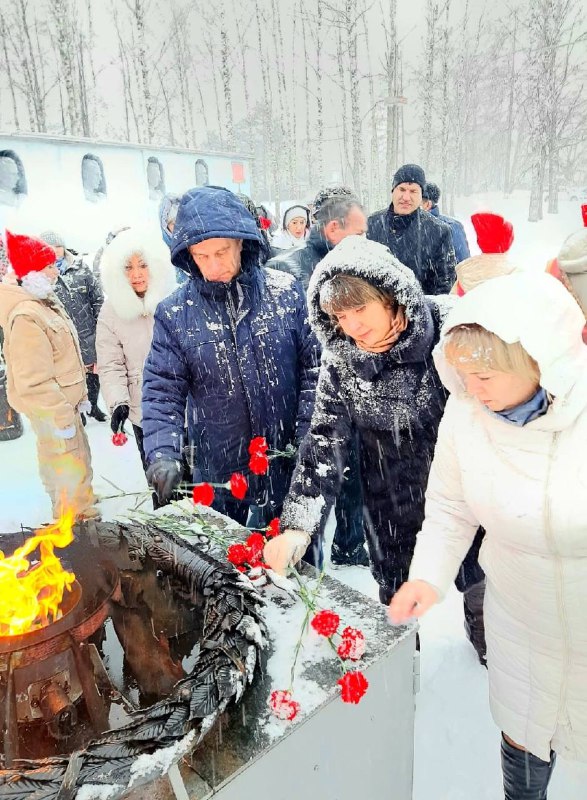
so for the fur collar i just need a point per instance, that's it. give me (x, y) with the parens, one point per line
(125, 302)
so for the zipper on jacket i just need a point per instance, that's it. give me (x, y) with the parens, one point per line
(559, 584)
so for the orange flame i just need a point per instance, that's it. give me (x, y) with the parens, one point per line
(30, 595)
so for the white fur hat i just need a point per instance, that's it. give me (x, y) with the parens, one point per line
(113, 262)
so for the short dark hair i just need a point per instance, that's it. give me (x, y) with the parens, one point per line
(431, 192)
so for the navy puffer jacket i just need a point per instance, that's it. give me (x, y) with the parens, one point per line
(240, 355)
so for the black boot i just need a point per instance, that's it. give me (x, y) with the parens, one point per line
(525, 776)
(93, 384)
(474, 624)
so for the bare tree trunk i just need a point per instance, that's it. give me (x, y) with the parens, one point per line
(340, 57)
(374, 169)
(3, 36)
(225, 70)
(391, 110)
(139, 18)
(33, 70)
(309, 149)
(319, 97)
(427, 131)
(507, 178)
(352, 19)
(66, 45)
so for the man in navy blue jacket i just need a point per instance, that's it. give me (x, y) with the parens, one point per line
(233, 347)
(430, 198)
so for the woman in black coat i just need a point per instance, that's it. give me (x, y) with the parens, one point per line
(377, 330)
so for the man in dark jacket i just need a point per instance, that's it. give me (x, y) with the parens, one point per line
(234, 346)
(81, 294)
(337, 213)
(430, 198)
(419, 241)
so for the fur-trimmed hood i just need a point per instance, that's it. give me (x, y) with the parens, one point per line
(120, 294)
(373, 262)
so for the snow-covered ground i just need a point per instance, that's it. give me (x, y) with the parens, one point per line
(456, 742)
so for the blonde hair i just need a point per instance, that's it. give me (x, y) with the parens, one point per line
(473, 344)
(346, 291)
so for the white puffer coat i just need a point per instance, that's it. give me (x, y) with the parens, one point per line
(527, 486)
(125, 323)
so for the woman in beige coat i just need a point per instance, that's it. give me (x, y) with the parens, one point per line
(510, 456)
(136, 274)
(45, 373)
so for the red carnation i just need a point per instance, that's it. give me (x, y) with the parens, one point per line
(255, 545)
(238, 554)
(265, 223)
(259, 464)
(353, 686)
(258, 446)
(119, 439)
(352, 645)
(238, 485)
(325, 623)
(273, 528)
(203, 493)
(282, 706)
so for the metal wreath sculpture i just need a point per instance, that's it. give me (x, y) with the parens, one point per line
(233, 636)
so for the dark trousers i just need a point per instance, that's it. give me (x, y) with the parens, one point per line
(93, 384)
(348, 509)
(525, 777)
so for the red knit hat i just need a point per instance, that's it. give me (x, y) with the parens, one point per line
(27, 254)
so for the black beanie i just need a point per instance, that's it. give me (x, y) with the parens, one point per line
(410, 173)
(431, 192)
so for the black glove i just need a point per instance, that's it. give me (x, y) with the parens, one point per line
(119, 417)
(165, 476)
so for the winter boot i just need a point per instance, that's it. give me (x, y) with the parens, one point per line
(474, 624)
(525, 776)
(358, 558)
(93, 383)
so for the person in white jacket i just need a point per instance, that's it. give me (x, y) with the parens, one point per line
(137, 274)
(510, 456)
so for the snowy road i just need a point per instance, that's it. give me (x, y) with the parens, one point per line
(457, 744)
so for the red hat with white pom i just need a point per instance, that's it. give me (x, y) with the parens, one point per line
(495, 236)
(27, 254)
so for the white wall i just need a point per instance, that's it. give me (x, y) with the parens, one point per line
(56, 199)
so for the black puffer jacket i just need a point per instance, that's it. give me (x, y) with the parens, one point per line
(81, 294)
(395, 401)
(421, 242)
(301, 262)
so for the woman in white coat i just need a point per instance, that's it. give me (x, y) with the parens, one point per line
(136, 274)
(511, 456)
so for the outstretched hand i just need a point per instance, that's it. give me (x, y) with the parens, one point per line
(413, 599)
(285, 550)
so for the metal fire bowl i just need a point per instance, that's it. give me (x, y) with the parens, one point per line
(75, 623)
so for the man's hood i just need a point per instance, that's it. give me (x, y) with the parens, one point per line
(212, 212)
(533, 309)
(373, 262)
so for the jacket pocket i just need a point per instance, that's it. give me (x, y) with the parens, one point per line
(70, 378)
